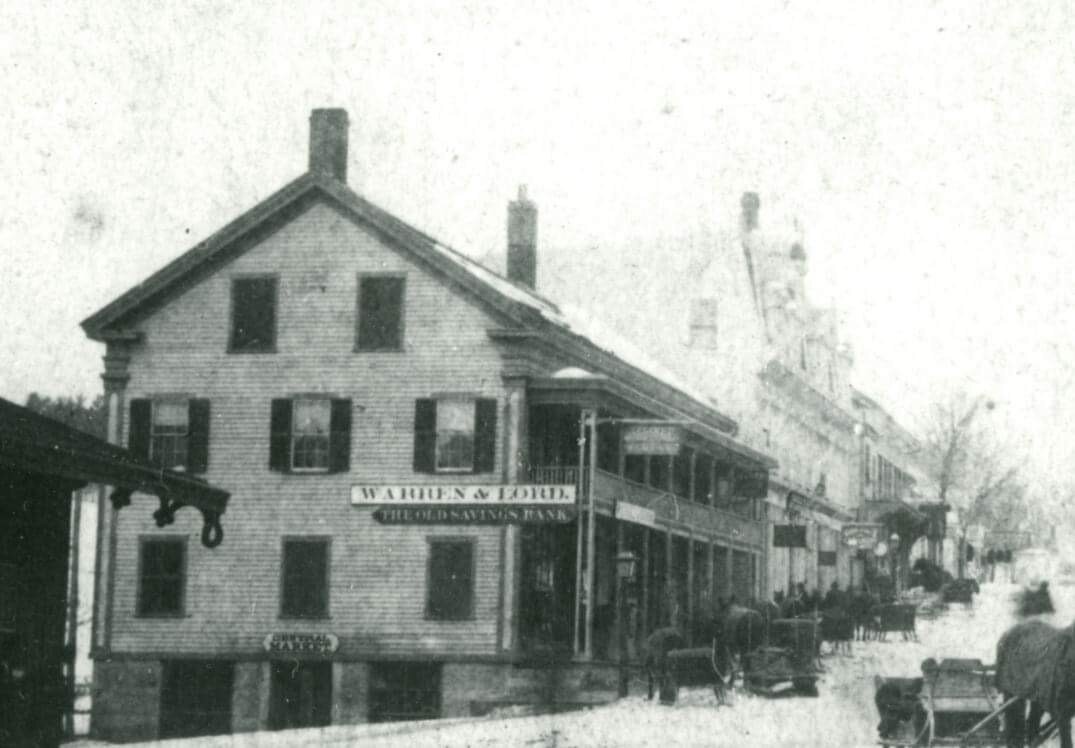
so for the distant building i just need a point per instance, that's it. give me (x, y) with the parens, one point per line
(413, 443)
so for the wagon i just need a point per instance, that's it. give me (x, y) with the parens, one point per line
(790, 659)
(954, 703)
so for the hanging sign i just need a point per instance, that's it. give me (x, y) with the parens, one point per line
(301, 643)
(640, 515)
(468, 514)
(862, 536)
(752, 484)
(486, 495)
(826, 558)
(652, 439)
(789, 536)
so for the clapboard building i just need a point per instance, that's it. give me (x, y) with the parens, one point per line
(432, 468)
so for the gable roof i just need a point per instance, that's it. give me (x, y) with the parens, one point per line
(518, 304)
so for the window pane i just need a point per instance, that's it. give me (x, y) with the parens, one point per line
(455, 434)
(162, 578)
(253, 314)
(450, 590)
(305, 579)
(310, 433)
(169, 433)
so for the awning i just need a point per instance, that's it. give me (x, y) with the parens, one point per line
(33, 443)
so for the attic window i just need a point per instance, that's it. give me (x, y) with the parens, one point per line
(253, 315)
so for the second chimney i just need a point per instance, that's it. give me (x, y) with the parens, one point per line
(328, 143)
(522, 240)
(750, 203)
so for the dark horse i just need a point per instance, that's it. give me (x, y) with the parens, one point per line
(1036, 666)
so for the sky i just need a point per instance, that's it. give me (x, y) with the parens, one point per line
(925, 150)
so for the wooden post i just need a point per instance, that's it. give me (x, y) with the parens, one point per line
(579, 578)
(668, 573)
(690, 584)
(712, 579)
(647, 624)
(591, 549)
(620, 626)
(728, 577)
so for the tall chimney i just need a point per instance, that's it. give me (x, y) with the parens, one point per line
(328, 143)
(750, 204)
(522, 240)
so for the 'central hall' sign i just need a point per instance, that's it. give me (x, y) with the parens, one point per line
(486, 495)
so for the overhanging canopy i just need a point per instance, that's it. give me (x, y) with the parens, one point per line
(33, 443)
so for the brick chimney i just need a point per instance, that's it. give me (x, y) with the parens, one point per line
(750, 203)
(328, 143)
(522, 240)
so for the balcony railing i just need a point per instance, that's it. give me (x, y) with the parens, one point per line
(554, 475)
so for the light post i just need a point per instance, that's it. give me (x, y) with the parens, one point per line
(625, 573)
(893, 546)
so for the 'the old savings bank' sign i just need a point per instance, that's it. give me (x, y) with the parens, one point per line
(467, 504)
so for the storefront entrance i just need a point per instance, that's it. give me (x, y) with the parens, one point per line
(547, 590)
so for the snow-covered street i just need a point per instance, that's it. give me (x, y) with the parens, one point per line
(843, 714)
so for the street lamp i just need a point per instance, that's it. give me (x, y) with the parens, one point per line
(893, 546)
(626, 561)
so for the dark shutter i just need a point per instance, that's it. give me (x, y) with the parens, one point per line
(484, 435)
(425, 436)
(141, 418)
(280, 436)
(198, 442)
(339, 443)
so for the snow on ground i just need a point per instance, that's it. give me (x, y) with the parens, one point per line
(843, 714)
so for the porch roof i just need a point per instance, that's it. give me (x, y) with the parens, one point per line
(33, 443)
(598, 390)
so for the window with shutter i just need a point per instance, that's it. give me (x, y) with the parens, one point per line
(450, 580)
(310, 435)
(253, 315)
(380, 313)
(455, 435)
(304, 579)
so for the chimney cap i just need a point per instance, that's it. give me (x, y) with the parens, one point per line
(522, 196)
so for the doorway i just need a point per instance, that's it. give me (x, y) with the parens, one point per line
(300, 695)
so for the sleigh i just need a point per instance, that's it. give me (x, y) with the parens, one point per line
(954, 703)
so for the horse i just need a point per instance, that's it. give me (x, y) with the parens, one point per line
(837, 628)
(1036, 666)
(861, 611)
(658, 645)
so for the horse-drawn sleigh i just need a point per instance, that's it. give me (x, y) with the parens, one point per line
(770, 656)
(962, 702)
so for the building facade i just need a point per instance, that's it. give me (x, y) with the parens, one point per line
(433, 470)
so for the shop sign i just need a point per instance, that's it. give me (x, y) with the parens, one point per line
(468, 514)
(826, 558)
(487, 495)
(640, 515)
(301, 643)
(652, 439)
(789, 536)
(862, 536)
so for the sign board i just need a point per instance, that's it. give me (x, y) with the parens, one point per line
(640, 515)
(826, 558)
(469, 514)
(509, 494)
(652, 439)
(863, 535)
(752, 484)
(304, 643)
(789, 536)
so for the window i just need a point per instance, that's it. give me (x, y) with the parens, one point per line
(681, 472)
(455, 435)
(310, 434)
(172, 432)
(162, 577)
(703, 470)
(703, 324)
(195, 698)
(304, 579)
(253, 315)
(450, 580)
(404, 691)
(380, 313)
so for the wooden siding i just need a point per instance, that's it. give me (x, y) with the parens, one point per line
(377, 572)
